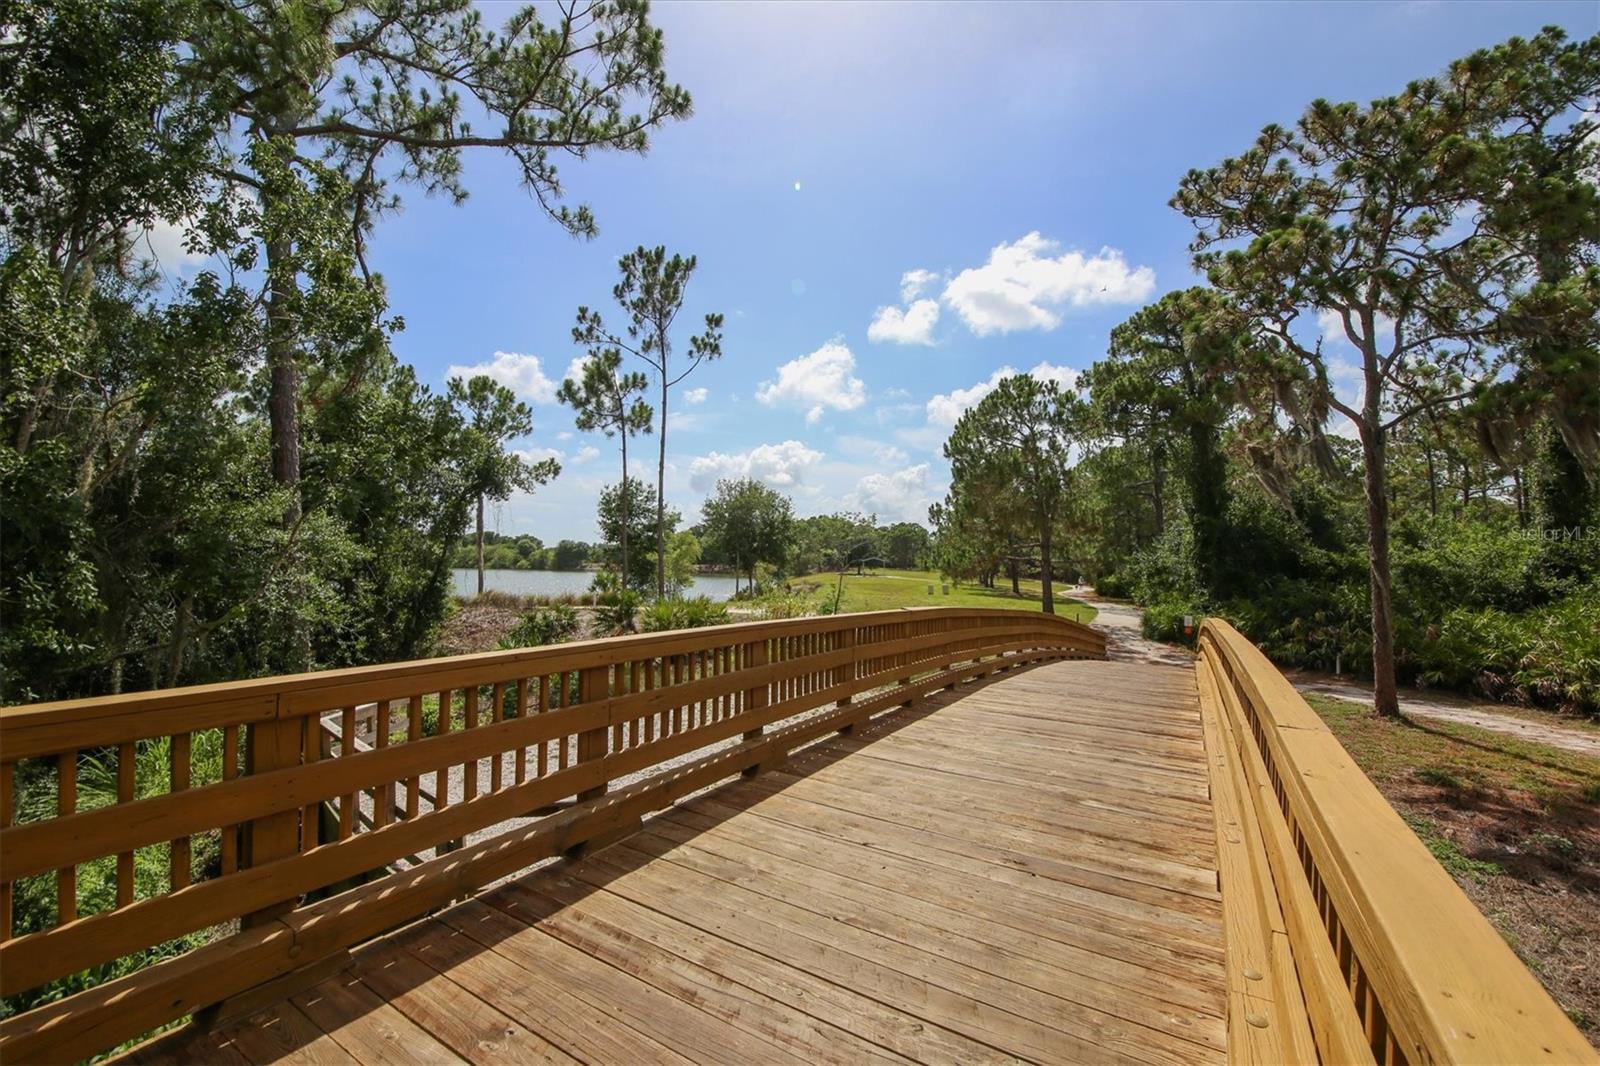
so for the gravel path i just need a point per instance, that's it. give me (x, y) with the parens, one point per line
(1125, 641)
(1482, 715)
(1121, 623)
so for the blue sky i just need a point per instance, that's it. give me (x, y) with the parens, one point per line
(1014, 160)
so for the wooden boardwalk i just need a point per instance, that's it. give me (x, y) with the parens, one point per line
(1024, 869)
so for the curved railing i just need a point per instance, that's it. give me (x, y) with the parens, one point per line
(373, 777)
(1348, 942)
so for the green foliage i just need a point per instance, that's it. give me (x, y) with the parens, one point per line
(1010, 476)
(34, 898)
(683, 555)
(749, 524)
(683, 614)
(638, 503)
(651, 291)
(555, 624)
(1450, 856)
(1163, 620)
(618, 612)
(1548, 655)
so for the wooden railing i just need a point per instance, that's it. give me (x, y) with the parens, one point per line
(1347, 941)
(581, 729)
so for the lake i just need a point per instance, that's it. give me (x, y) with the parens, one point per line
(556, 582)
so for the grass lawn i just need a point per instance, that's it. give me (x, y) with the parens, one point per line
(1514, 821)
(882, 590)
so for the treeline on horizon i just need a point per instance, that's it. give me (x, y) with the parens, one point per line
(1371, 440)
(815, 544)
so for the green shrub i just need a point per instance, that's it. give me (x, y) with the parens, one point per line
(617, 612)
(1548, 656)
(1163, 620)
(1114, 586)
(547, 625)
(34, 899)
(682, 614)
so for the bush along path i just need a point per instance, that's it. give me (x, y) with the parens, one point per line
(1123, 623)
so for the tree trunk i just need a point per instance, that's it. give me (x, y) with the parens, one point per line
(480, 544)
(1158, 488)
(661, 488)
(1433, 484)
(1208, 508)
(625, 501)
(1015, 569)
(1385, 699)
(1046, 580)
(283, 408)
(283, 404)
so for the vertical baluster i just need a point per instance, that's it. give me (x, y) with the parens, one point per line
(66, 803)
(180, 857)
(313, 741)
(127, 782)
(414, 733)
(593, 686)
(347, 746)
(469, 770)
(7, 784)
(650, 684)
(498, 714)
(556, 695)
(230, 772)
(522, 712)
(755, 697)
(541, 695)
(441, 777)
(385, 797)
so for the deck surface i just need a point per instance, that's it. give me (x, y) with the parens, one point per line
(1023, 869)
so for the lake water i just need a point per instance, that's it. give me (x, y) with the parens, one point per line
(556, 582)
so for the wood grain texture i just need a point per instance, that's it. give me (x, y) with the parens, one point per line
(928, 888)
(1429, 976)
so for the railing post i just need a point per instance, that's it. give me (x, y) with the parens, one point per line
(903, 631)
(593, 684)
(272, 745)
(755, 697)
(847, 673)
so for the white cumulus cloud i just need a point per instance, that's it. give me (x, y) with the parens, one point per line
(912, 282)
(537, 454)
(696, 395)
(522, 374)
(945, 409)
(901, 496)
(781, 466)
(585, 453)
(824, 380)
(1025, 284)
(914, 325)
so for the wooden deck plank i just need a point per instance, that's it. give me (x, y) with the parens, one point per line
(845, 1007)
(370, 1030)
(1019, 870)
(942, 912)
(464, 1022)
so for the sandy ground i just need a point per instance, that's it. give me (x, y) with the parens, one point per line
(1124, 640)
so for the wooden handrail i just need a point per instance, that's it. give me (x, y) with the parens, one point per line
(562, 728)
(1394, 962)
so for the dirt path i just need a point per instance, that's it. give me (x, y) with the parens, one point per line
(1121, 622)
(1124, 639)
(1446, 709)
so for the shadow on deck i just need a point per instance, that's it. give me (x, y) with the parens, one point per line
(1021, 869)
